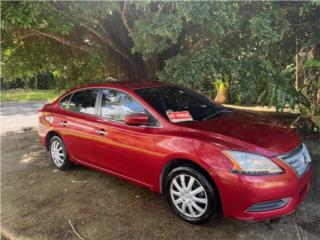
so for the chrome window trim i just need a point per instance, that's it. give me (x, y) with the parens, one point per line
(97, 107)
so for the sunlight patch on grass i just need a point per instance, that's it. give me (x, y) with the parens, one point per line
(21, 95)
(259, 108)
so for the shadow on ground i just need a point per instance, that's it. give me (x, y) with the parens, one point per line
(38, 200)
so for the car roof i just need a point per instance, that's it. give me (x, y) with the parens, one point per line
(127, 84)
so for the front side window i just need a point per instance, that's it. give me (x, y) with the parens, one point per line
(84, 101)
(116, 105)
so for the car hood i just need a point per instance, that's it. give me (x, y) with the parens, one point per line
(249, 132)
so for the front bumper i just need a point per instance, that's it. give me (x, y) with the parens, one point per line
(239, 193)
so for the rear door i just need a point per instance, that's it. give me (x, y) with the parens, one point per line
(77, 124)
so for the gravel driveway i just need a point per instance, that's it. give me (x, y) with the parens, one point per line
(17, 116)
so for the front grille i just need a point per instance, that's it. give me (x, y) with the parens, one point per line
(268, 206)
(298, 159)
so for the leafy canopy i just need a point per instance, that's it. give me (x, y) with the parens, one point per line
(249, 45)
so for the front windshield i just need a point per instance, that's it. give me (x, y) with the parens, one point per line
(178, 99)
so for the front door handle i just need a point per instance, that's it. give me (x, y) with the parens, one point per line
(101, 132)
(64, 123)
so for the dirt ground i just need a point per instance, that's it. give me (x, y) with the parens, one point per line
(38, 201)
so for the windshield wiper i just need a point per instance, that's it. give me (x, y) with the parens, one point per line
(216, 113)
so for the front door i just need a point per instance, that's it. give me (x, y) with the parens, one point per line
(120, 148)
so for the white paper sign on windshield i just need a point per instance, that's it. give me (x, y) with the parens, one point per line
(181, 116)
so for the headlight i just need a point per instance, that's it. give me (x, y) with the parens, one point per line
(306, 153)
(252, 164)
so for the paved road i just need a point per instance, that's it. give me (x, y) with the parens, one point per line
(17, 116)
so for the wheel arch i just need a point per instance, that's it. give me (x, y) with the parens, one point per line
(174, 163)
(49, 135)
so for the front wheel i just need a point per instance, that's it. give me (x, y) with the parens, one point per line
(190, 195)
(58, 154)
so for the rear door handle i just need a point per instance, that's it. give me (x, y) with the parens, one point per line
(64, 123)
(101, 132)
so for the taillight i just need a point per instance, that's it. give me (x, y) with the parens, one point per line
(49, 119)
(46, 116)
(40, 113)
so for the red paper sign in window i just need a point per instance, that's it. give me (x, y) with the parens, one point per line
(179, 116)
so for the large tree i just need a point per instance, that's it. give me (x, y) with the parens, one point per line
(127, 40)
(261, 50)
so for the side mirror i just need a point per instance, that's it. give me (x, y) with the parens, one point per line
(136, 119)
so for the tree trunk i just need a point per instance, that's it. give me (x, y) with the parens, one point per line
(139, 70)
(27, 82)
(297, 73)
(36, 81)
(313, 76)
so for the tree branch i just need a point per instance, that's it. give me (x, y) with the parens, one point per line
(21, 37)
(107, 40)
(63, 40)
(60, 39)
(123, 17)
(196, 46)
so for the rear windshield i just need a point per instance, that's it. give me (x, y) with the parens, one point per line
(178, 99)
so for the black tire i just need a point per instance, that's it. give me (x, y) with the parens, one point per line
(65, 163)
(210, 193)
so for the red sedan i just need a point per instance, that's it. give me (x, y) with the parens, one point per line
(172, 140)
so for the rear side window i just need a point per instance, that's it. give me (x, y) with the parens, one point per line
(65, 102)
(84, 101)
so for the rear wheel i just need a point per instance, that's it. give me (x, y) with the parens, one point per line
(190, 195)
(58, 154)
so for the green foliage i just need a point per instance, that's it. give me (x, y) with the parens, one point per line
(212, 19)
(253, 73)
(257, 50)
(27, 53)
(312, 63)
(26, 15)
(280, 93)
(88, 69)
(156, 33)
(197, 70)
(269, 27)
(248, 44)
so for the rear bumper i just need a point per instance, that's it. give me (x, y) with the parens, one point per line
(238, 193)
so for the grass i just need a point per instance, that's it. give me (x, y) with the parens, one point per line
(21, 95)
